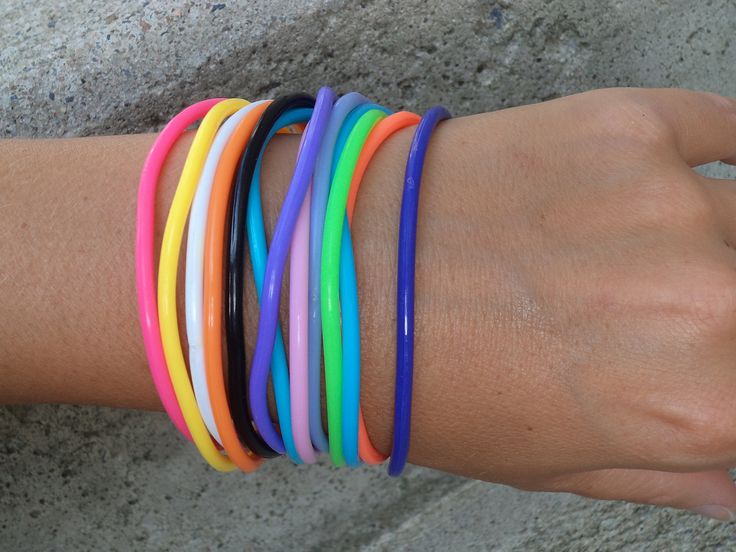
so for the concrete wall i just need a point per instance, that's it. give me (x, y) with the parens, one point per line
(88, 478)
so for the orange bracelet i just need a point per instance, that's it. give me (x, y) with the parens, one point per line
(380, 133)
(212, 286)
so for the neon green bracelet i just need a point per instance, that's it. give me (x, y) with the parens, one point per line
(330, 276)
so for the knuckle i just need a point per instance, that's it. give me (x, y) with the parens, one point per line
(706, 432)
(709, 300)
(692, 422)
(674, 199)
(723, 104)
(632, 120)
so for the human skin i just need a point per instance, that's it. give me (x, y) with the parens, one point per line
(576, 290)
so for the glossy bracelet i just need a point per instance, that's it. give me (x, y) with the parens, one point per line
(356, 443)
(246, 198)
(167, 276)
(380, 133)
(275, 265)
(256, 230)
(144, 253)
(232, 441)
(194, 275)
(340, 371)
(299, 334)
(195, 258)
(405, 287)
(320, 192)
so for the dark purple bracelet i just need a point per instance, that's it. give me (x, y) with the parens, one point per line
(405, 288)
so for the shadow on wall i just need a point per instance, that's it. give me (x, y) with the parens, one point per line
(471, 55)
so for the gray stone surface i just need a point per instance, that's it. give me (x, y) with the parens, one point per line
(86, 478)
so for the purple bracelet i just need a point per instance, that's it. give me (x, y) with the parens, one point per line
(320, 192)
(275, 267)
(405, 287)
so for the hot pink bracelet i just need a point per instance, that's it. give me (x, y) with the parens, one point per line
(144, 255)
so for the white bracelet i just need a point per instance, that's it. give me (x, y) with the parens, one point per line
(194, 294)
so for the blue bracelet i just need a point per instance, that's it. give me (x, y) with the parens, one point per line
(349, 309)
(321, 182)
(405, 287)
(259, 255)
(350, 313)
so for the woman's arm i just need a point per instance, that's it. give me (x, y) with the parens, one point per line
(576, 290)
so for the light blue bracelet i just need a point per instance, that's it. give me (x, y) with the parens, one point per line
(349, 311)
(259, 256)
(321, 182)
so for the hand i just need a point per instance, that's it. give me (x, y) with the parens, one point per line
(588, 343)
(576, 291)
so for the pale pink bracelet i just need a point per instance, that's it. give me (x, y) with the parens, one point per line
(299, 333)
(145, 274)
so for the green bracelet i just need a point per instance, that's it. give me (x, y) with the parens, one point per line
(335, 219)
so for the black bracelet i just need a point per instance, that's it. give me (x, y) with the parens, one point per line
(234, 283)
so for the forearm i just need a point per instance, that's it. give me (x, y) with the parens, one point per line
(72, 335)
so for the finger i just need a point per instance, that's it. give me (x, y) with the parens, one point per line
(701, 125)
(710, 493)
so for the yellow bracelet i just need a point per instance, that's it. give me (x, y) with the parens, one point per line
(168, 270)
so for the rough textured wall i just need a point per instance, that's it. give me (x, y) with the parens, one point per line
(87, 478)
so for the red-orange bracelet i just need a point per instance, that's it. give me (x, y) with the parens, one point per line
(382, 131)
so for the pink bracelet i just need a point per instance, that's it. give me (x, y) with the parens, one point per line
(144, 255)
(298, 336)
(299, 332)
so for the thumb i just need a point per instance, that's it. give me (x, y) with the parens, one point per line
(710, 493)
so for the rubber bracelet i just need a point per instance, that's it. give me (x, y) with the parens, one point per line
(275, 266)
(352, 415)
(194, 276)
(405, 287)
(351, 350)
(213, 294)
(359, 123)
(259, 254)
(257, 242)
(320, 191)
(144, 253)
(299, 335)
(298, 331)
(350, 318)
(380, 133)
(167, 276)
(246, 196)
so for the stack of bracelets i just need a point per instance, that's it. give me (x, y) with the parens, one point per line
(223, 411)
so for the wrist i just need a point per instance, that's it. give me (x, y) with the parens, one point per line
(442, 259)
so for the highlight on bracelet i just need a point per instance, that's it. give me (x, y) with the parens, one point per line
(210, 396)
